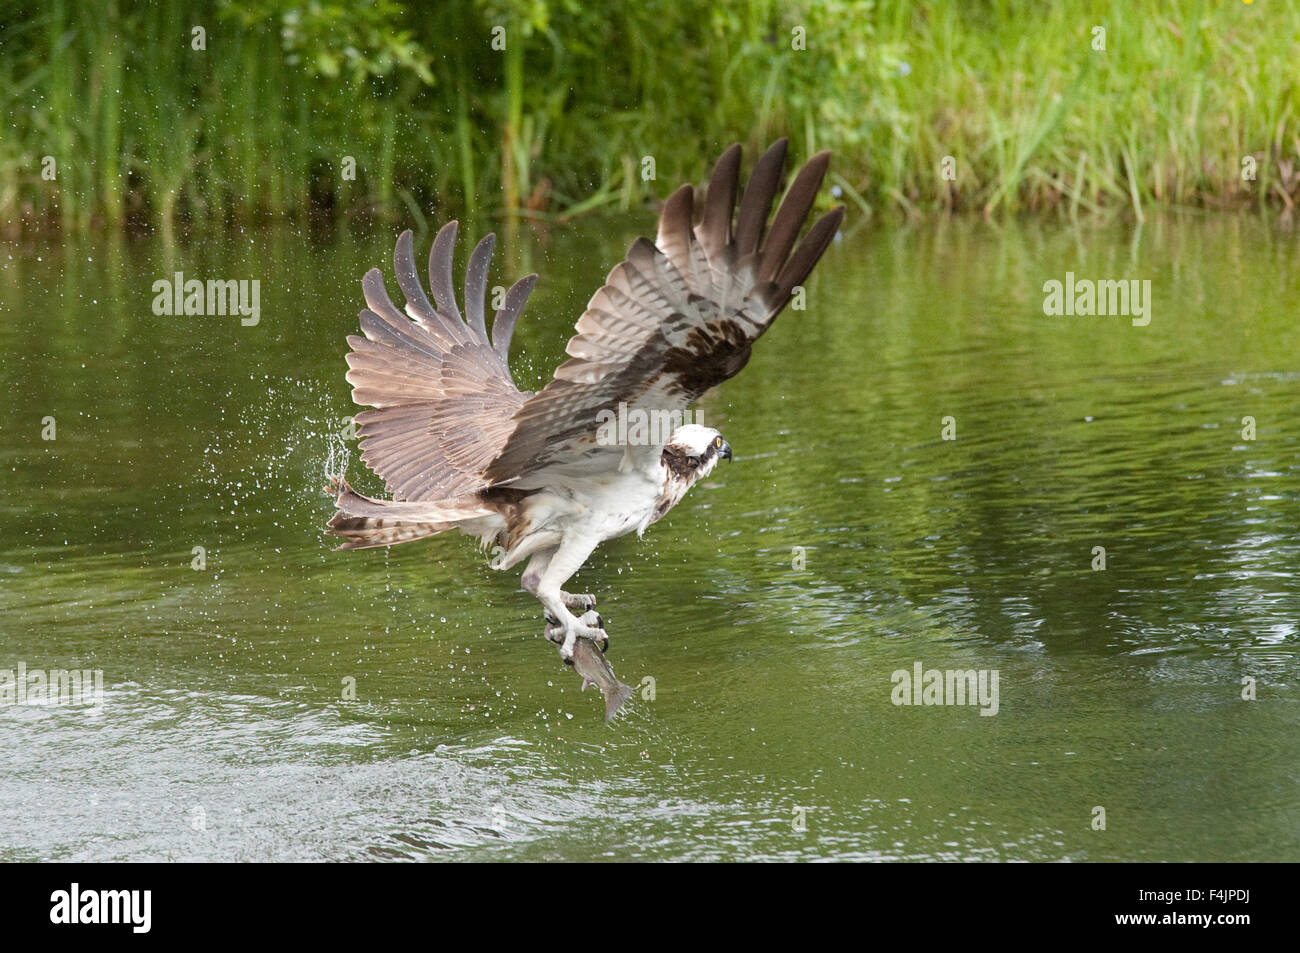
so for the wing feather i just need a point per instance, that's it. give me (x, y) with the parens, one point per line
(441, 281)
(503, 325)
(677, 316)
(442, 392)
(791, 215)
(417, 302)
(756, 205)
(476, 285)
(714, 231)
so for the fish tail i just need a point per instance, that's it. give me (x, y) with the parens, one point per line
(615, 699)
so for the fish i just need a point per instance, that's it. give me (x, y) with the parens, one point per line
(589, 662)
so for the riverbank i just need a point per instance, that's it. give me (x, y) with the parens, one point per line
(215, 115)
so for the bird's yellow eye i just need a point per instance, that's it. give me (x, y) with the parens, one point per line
(717, 441)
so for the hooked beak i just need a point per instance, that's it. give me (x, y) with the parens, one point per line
(725, 452)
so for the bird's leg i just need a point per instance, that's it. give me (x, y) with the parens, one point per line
(573, 601)
(563, 563)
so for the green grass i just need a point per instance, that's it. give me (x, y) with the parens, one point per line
(147, 132)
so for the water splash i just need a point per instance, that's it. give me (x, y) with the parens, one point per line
(337, 456)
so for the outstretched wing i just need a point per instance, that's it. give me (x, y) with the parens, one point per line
(441, 389)
(677, 316)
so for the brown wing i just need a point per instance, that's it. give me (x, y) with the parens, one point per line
(442, 391)
(678, 316)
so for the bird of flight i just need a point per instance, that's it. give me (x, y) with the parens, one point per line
(459, 446)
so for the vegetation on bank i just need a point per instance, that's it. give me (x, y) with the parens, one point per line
(218, 113)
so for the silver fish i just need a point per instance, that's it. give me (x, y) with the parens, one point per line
(589, 662)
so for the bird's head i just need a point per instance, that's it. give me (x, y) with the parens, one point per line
(694, 450)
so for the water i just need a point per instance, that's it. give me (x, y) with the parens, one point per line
(224, 733)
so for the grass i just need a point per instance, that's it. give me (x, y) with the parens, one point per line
(147, 132)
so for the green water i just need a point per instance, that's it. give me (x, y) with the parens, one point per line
(224, 733)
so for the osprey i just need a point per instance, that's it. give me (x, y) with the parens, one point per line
(459, 446)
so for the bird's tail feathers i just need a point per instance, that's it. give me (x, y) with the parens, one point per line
(364, 522)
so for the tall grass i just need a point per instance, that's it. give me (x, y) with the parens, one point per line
(147, 132)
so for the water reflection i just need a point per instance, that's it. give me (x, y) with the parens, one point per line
(1121, 686)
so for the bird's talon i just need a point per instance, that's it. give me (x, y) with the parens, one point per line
(578, 601)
